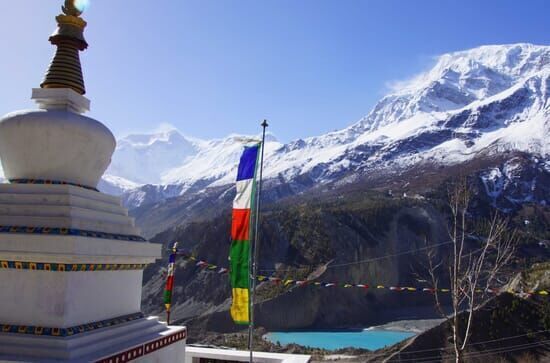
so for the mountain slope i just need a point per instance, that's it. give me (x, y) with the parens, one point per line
(482, 101)
(485, 100)
(339, 235)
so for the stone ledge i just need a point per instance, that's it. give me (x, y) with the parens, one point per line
(60, 98)
(62, 200)
(70, 223)
(63, 206)
(66, 211)
(75, 249)
(59, 189)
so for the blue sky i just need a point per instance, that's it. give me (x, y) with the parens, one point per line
(215, 67)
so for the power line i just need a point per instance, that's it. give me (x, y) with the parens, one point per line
(364, 261)
(506, 349)
(292, 282)
(478, 343)
(499, 350)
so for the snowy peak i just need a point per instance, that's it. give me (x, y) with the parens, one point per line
(171, 136)
(481, 70)
(482, 101)
(143, 158)
(215, 161)
(457, 80)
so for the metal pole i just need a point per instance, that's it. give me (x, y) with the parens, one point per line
(256, 246)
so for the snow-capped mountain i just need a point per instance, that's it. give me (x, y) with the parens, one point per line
(488, 99)
(143, 158)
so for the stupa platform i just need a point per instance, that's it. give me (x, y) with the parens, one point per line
(31, 204)
(141, 340)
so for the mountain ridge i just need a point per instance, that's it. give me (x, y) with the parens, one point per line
(487, 99)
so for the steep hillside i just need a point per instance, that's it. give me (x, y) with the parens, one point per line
(307, 236)
(507, 329)
(336, 231)
(506, 181)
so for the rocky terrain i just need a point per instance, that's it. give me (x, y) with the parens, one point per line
(507, 329)
(375, 189)
(310, 237)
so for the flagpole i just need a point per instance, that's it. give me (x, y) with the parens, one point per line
(256, 246)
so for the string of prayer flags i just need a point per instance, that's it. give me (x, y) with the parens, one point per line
(301, 283)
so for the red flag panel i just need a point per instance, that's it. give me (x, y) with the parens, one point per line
(240, 228)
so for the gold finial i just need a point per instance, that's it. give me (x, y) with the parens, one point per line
(70, 8)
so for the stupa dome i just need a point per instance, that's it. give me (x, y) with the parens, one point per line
(54, 145)
(57, 143)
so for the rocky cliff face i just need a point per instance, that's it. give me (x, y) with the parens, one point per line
(310, 239)
(517, 181)
(325, 231)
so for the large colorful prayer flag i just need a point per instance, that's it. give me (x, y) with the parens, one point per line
(241, 233)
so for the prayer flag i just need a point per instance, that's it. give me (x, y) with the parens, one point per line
(170, 280)
(241, 233)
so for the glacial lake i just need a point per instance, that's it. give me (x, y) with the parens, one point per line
(367, 339)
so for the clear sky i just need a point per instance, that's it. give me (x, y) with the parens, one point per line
(215, 67)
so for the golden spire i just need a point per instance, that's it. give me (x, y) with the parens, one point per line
(65, 70)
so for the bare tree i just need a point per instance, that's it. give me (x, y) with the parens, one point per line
(474, 266)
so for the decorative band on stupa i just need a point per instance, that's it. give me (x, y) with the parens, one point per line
(61, 231)
(65, 70)
(70, 267)
(51, 182)
(67, 332)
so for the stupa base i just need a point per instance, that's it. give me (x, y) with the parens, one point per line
(142, 340)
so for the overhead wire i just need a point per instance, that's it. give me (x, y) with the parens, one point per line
(499, 350)
(373, 259)
(478, 343)
(291, 282)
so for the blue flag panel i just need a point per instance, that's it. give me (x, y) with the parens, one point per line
(247, 165)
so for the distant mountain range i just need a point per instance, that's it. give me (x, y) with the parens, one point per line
(485, 100)
(480, 101)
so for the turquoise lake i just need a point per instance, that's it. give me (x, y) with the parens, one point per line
(367, 339)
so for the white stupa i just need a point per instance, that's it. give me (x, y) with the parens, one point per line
(71, 260)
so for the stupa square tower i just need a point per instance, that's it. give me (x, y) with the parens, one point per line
(71, 259)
